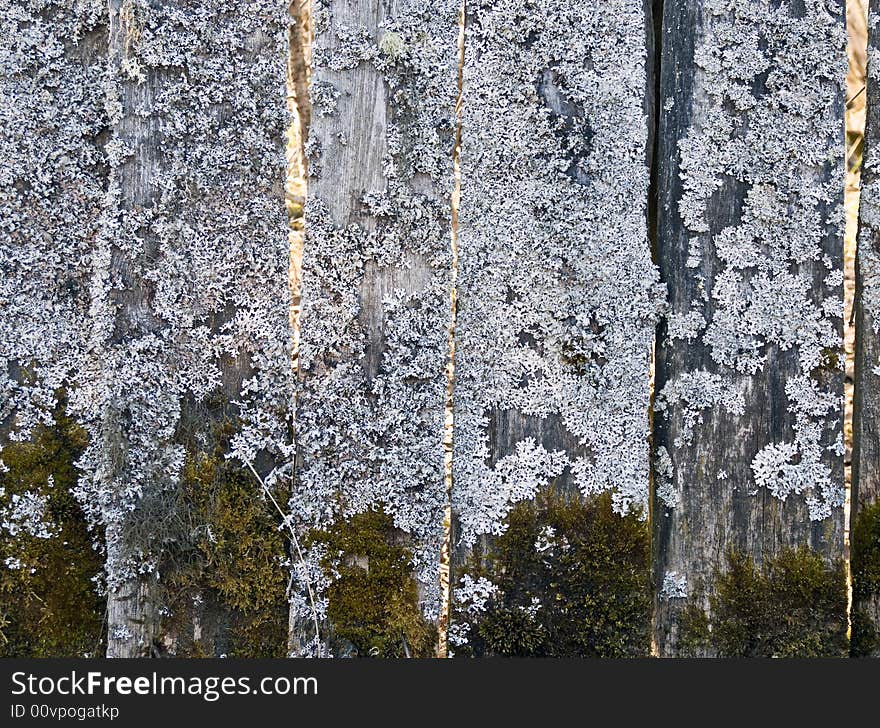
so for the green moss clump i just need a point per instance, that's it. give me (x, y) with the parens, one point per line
(694, 630)
(374, 602)
(230, 571)
(865, 640)
(866, 579)
(572, 580)
(794, 606)
(49, 606)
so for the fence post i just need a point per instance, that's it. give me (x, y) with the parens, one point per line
(557, 303)
(190, 305)
(749, 442)
(51, 190)
(865, 534)
(376, 277)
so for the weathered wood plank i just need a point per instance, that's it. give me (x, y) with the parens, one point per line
(52, 188)
(865, 534)
(376, 288)
(189, 296)
(557, 294)
(52, 182)
(750, 228)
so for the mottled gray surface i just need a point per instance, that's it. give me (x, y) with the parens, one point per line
(376, 278)
(866, 415)
(750, 229)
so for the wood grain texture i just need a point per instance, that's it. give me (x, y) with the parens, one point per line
(53, 179)
(866, 409)
(750, 228)
(189, 291)
(557, 294)
(376, 280)
(51, 191)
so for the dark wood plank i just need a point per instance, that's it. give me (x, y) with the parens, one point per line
(866, 410)
(557, 294)
(750, 228)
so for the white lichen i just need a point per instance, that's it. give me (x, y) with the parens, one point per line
(686, 326)
(675, 586)
(26, 514)
(376, 275)
(471, 597)
(391, 44)
(691, 394)
(664, 482)
(766, 124)
(558, 298)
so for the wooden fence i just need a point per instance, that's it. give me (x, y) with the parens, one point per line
(570, 368)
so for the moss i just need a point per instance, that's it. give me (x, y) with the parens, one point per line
(695, 632)
(230, 574)
(865, 640)
(866, 552)
(374, 601)
(49, 607)
(793, 606)
(866, 578)
(572, 580)
(829, 364)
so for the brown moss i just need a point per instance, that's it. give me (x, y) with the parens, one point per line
(829, 364)
(226, 584)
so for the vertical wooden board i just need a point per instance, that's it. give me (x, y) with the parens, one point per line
(191, 378)
(865, 533)
(52, 181)
(749, 442)
(375, 315)
(557, 294)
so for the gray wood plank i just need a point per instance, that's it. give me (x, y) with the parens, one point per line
(190, 298)
(376, 279)
(866, 409)
(750, 230)
(557, 294)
